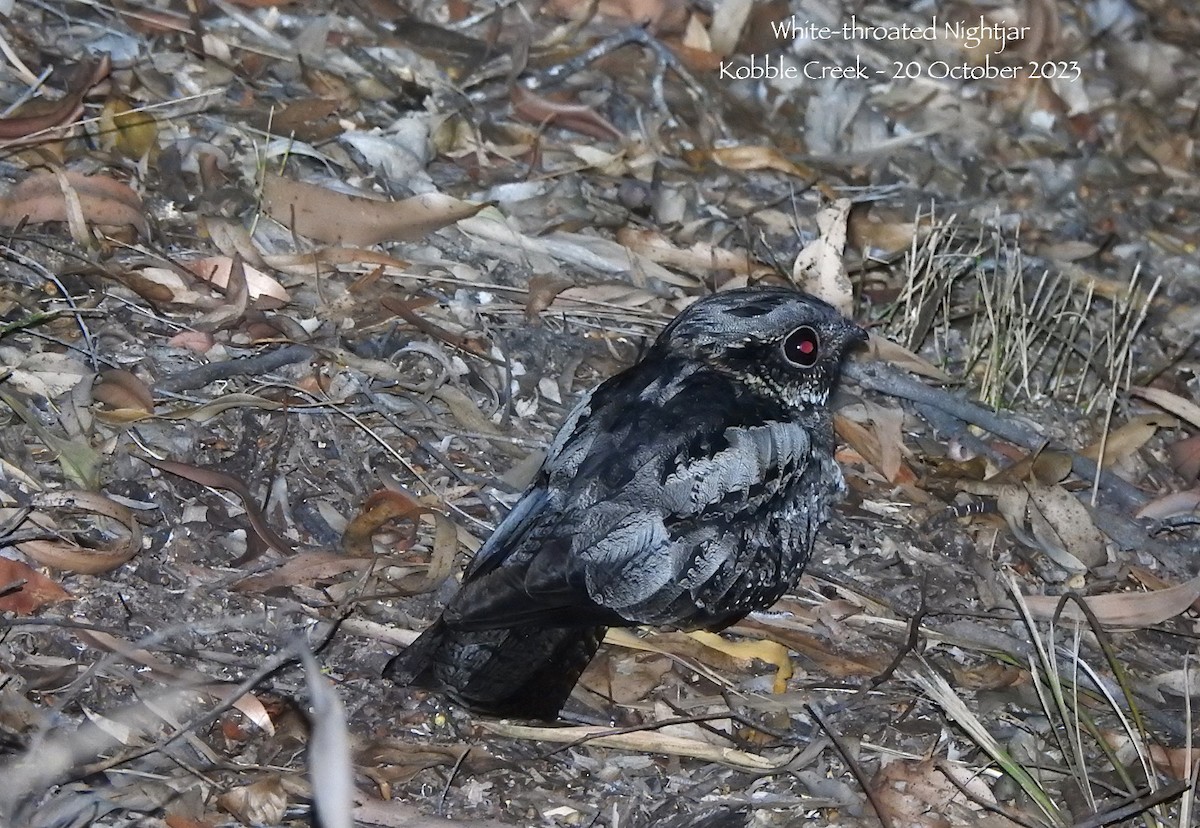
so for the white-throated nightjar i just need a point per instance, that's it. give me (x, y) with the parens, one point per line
(684, 492)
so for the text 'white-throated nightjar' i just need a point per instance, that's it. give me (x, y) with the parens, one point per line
(684, 492)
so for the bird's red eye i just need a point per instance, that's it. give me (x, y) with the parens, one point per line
(802, 347)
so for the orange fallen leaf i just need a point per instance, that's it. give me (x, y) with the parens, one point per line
(329, 216)
(24, 590)
(104, 201)
(66, 554)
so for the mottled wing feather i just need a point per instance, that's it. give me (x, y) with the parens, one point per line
(609, 548)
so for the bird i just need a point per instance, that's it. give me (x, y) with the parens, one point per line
(684, 492)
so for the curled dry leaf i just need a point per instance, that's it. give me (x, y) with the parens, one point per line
(24, 590)
(329, 216)
(772, 652)
(543, 290)
(263, 803)
(580, 118)
(1126, 609)
(819, 268)
(104, 201)
(162, 285)
(127, 398)
(381, 508)
(220, 480)
(880, 447)
(70, 556)
(131, 132)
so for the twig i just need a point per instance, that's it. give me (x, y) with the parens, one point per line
(885, 818)
(1136, 804)
(257, 364)
(879, 377)
(994, 807)
(910, 642)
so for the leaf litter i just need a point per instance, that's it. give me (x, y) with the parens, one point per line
(349, 268)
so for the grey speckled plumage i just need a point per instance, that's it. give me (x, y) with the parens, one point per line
(684, 492)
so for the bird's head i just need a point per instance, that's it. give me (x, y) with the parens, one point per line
(779, 343)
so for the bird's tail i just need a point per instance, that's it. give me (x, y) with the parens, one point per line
(525, 672)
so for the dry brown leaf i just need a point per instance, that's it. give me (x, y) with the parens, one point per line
(869, 443)
(1173, 403)
(104, 201)
(237, 301)
(542, 291)
(378, 510)
(624, 679)
(700, 256)
(648, 741)
(885, 350)
(535, 108)
(30, 128)
(263, 803)
(917, 794)
(1170, 505)
(127, 397)
(759, 158)
(220, 480)
(130, 132)
(1127, 439)
(889, 434)
(264, 290)
(990, 675)
(163, 285)
(1153, 582)
(304, 568)
(1185, 457)
(1041, 467)
(1058, 525)
(329, 216)
(93, 559)
(819, 268)
(24, 590)
(199, 341)
(1128, 610)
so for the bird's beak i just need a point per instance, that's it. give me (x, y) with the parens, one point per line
(857, 336)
